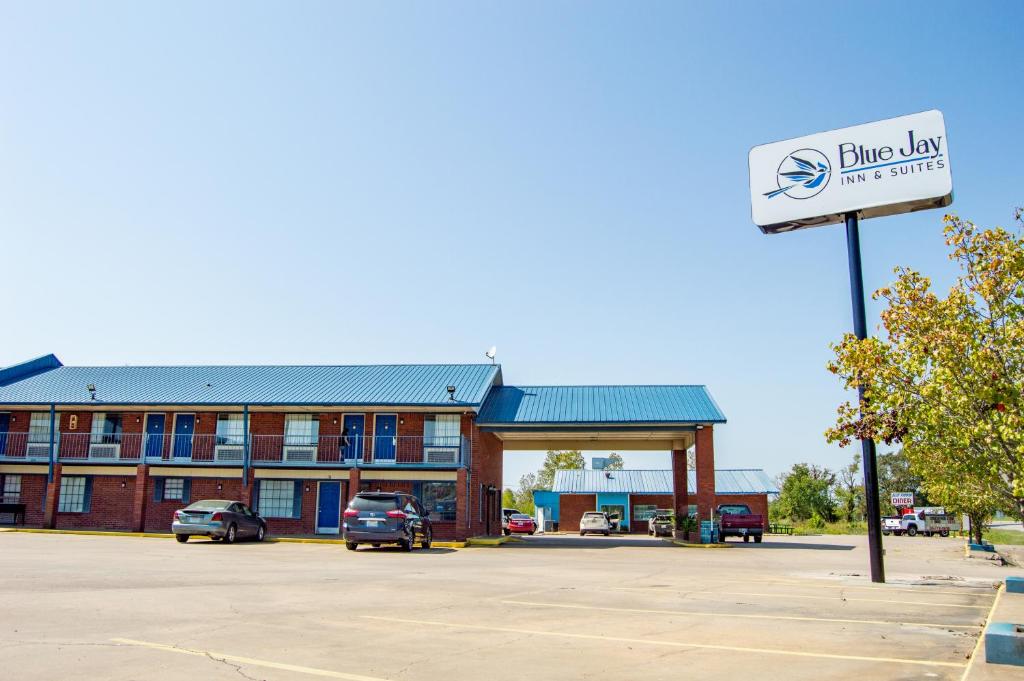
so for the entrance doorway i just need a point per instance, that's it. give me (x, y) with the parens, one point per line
(328, 507)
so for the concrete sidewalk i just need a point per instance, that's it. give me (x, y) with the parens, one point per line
(1008, 607)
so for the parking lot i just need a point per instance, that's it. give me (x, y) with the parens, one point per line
(555, 607)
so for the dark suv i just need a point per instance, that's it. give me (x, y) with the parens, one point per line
(386, 518)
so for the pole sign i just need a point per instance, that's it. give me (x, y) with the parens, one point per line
(900, 499)
(898, 165)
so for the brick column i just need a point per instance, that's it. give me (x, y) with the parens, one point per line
(461, 506)
(354, 477)
(705, 472)
(139, 502)
(52, 499)
(680, 494)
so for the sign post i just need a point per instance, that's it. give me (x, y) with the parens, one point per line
(887, 167)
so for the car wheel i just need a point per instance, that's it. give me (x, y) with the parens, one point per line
(606, 533)
(261, 534)
(376, 546)
(407, 543)
(531, 532)
(582, 533)
(428, 540)
(944, 533)
(757, 539)
(232, 534)
(912, 531)
(885, 533)
(182, 538)
(746, 538)
(506, 532)
(351, 545)
(898, 533)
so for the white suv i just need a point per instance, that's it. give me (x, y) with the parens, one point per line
(595, 521)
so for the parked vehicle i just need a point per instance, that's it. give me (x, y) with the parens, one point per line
(521, 523)
(377, 518)
(507, 513)
(595, 521)
(218, 519)
(891, 525)
(927, 521)
(736, 520)
(661, 524)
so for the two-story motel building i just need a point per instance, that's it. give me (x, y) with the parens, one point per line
(124, 447)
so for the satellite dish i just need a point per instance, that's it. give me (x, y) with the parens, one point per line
(491, 353)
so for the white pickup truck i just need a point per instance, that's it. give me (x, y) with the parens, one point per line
(926, 521)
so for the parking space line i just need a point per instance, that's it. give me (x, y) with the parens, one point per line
(672, 644)
(698, 613)
(313, 671)
(817, 598)
(924, 588)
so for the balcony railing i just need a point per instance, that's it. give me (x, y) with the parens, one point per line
(362, 449)
(280, 450)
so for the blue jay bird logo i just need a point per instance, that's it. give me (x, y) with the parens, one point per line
(802, 174)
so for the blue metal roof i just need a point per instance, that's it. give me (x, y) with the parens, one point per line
(617, 404)
(727, 481)
(371, 385)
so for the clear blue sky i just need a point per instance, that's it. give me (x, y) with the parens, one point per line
(341, 183)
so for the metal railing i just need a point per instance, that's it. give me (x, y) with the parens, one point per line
(165, 448)
(360, 449)
(25, 447)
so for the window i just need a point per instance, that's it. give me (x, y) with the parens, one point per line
(12, 489)
(277, 499)
(73, 494)
(644, 512)
(39, 426)
(106, 429)
(441, 430)
(174, 489)
(439, 499)
(230, 429)
(301, 429)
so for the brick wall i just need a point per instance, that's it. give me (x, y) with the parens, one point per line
(306, 524)
(486, 470)
(110, 508)
(705, 455)
(33, 490)
(659, 500)
(160, 514)
(571, 509)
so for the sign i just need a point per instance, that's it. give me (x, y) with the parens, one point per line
(900, 499)
(887, 167)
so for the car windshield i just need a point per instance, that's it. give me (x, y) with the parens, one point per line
(734, 510)
(209, 505)
(369, 503)
(593, 515)
(520, 516)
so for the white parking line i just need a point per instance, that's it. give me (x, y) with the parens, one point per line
(698, 613)
(923, 589)
(817, 598)
(673, 644)
(313, 671)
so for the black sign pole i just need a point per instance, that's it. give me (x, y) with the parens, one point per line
(860, 328)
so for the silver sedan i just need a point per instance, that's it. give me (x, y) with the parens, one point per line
(218, 519)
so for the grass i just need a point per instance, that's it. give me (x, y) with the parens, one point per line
(803, 528)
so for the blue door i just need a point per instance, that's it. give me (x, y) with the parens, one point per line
(384, 433)
(155, 435)
(328, 511)
(184, 426)
(352, 430)
(5, 423)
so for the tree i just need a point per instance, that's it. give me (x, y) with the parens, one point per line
(615, 462)
(895, 475)
(947, 379)
(558, 460)
(806, 492)
(524, 495)
(850, 491)
(508, 498)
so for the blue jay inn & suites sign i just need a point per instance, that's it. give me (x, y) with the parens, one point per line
(898, 165)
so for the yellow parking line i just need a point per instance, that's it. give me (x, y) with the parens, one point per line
(248, 660)
(981, 635)
(673, 644)
(794, 618)
(817, 598)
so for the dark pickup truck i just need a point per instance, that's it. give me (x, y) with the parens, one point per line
(736, 520)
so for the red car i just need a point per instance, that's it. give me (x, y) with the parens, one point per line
(520, 522)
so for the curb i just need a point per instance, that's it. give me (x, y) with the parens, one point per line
(687, 545)
(490, 541)
(164, 535)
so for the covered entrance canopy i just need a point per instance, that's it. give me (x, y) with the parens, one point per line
(669, 418)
